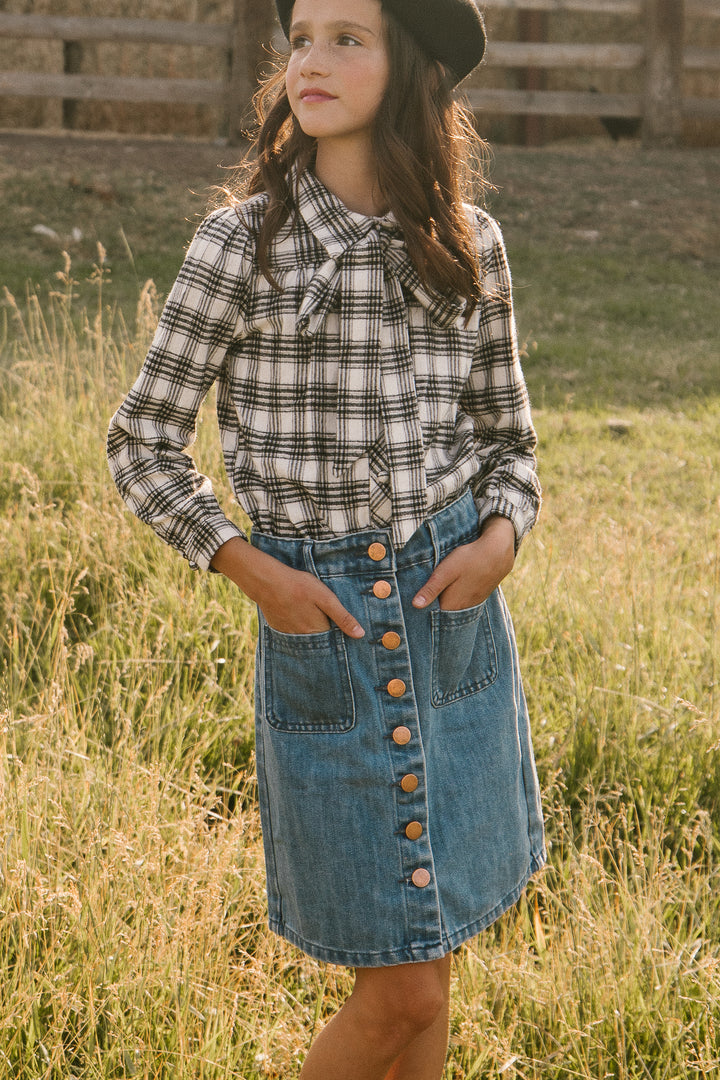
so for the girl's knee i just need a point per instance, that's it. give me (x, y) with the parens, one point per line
(421, 1009)
(404, 1001)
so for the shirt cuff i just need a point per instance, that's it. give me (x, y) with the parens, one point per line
(522, 516)
(201, 553)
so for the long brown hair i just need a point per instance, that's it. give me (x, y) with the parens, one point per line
(429, 160)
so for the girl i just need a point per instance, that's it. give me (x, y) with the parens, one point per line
(356, 316)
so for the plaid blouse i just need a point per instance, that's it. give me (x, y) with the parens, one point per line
(352, 398)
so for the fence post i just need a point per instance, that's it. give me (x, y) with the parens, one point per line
(664, 34)
(72, 65)
(532, 26)
(253, 29)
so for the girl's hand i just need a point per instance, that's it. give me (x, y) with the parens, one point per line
(295, 602)
(470, 573)
(292, 601)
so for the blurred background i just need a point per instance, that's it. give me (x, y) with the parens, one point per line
(555, 69)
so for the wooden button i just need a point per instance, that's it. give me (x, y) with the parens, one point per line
(402, 735)
(396, 688)
(382, 589)
(377, 552)
(421, 878)
(413, 830)
(409, 782)
(391, 640)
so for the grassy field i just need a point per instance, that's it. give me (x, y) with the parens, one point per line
(132, 920)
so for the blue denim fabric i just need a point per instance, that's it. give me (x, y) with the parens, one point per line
(341, 868)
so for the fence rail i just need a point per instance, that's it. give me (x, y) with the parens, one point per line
(659, 61)
(601, 7)
(707, 8)
(86, 28)
(113, 88)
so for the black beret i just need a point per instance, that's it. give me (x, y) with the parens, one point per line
(451, 31)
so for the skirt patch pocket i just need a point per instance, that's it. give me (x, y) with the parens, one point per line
(464, 657)
(307, 681)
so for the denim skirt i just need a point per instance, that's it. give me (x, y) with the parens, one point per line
(398, 793)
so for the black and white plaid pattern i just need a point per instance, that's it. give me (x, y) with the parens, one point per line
(354, 397)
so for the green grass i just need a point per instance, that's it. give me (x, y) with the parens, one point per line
(139, 245)
(615, 256)
(132, 918)
(141, 204)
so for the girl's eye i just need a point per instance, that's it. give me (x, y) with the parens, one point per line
(301, 41)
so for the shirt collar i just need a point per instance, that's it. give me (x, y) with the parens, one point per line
(339, 230)
(329, 220)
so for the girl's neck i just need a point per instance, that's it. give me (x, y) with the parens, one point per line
(350, 173)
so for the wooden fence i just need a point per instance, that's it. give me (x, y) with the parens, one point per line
(238, 43)
(658, 62)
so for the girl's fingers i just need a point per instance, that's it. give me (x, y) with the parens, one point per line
(295, 602)
(435, 584)
(310, 612)
(476, 569)
(341, 616)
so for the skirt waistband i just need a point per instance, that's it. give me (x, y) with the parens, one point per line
(443, 531)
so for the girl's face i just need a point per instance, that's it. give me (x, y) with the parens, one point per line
(339, 69)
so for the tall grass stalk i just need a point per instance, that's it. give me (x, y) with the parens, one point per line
(132, 913)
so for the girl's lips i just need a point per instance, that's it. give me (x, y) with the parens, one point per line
(314, 95)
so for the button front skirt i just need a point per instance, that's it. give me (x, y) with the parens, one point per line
(398, 793)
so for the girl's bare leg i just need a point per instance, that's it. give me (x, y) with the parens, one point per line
(424, 1059)
(392, 1027)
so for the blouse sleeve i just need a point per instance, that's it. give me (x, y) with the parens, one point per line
(156, 424)
(496, 397)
